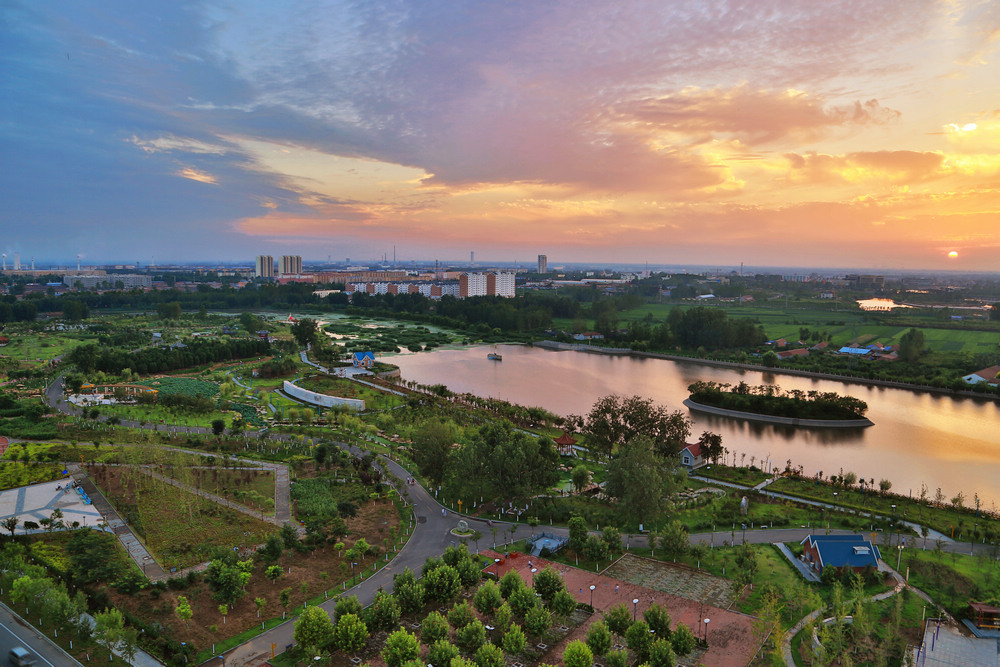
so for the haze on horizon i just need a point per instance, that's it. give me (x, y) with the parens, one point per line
(807, 134)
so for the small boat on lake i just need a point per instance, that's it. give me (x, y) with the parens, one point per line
(494, 355)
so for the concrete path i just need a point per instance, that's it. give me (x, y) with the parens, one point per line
(807, 573)
(931, 534)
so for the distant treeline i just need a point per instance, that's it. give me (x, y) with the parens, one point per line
(771, 400)
(90, 358)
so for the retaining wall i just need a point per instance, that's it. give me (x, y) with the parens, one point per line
(323, 400)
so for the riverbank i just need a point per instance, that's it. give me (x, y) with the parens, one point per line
(847, 379)
(772, 419)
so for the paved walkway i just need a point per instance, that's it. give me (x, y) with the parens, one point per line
(807, 573)
(945, 646)
(39, 501)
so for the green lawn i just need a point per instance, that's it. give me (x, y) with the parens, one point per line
(952, 580)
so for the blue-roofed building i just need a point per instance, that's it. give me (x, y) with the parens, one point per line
(363, 359)
(853, 551)
(854, 350)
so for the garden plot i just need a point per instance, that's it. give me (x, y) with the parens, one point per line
(678, 580)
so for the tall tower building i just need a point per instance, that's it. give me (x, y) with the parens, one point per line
(264, 266)
(291, 265)
(543, 263)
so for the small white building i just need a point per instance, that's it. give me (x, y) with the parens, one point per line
(989, 375)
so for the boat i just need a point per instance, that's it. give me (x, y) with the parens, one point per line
(494, 355)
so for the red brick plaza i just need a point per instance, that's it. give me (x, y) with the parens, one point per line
(731, 639)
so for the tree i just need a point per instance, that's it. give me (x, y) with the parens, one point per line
(442, 584)
(408, 591)
(637, 477)
(348, 605)
(434, 628)
(661, 654)
(884, 485)
(471, 637)
(304, 331)
(711, 445)
(92, 555)
(108, 627)
(460, 615)
(615, 421)
(682, 639)
(658, 619)
(442, 652)
(384, 613)
(746, 565)
(489, 655)
(616, 659)
(313, 630)
(400, 646)
(538, 620)
(10, 523)
(511, 583)
(226, 580)
(514, 640)
(432, 442)
(522, 601)
(273, 573)
(488, 598)
(218, 427)
(637, 638)
(578, 654)
(577, 533)
(599, 638)
(911, 345)
(548, 582)
(580, 477)
(673, 540)
(618, 618)
(169, 311)
(612, 539)
(260, 603)
(350, 634)
(183, 610)
(563, 604)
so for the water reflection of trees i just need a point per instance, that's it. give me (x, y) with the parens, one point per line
(763, 431)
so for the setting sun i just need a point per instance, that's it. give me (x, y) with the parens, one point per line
(953, 254)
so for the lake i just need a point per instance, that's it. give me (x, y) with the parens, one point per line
(946, 442)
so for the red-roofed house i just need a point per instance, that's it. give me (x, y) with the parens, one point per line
(988, 375)
(797, 352)
(693, 456)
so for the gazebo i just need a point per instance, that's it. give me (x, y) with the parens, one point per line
(564, 443)
(986, 617)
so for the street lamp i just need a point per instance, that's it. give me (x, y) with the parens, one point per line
(184, 655)
(490, 629)
(706, 631)
(496, 567)
(592, 587)
(744, 532)
(533, 570)
(899, 558)
(635, 606)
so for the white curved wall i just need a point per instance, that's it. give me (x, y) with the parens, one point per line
(321, 399)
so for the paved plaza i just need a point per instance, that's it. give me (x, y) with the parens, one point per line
(37, 502)
(945, 646)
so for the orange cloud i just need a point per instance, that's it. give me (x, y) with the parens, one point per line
(197, 175)
(753, 116)
(895, 167)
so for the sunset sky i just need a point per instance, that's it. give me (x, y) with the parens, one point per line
(826, 133)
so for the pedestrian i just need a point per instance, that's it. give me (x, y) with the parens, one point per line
(616, 589)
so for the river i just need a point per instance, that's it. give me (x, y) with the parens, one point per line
(951, 443)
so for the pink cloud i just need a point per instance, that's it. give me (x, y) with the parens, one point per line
(887, 166)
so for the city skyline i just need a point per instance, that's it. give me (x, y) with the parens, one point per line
(812, 134)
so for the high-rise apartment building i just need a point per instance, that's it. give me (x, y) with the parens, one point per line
(543, 263)
(291, 265)
(264, 266)
(486, 284)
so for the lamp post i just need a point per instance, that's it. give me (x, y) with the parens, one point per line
(894, 517)
(635, 607)
(489, 628)
(496, 568)
(706, 631)
(183, 654)
(533, 570)
(744, 532)
(899, 558)
(592, 587)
